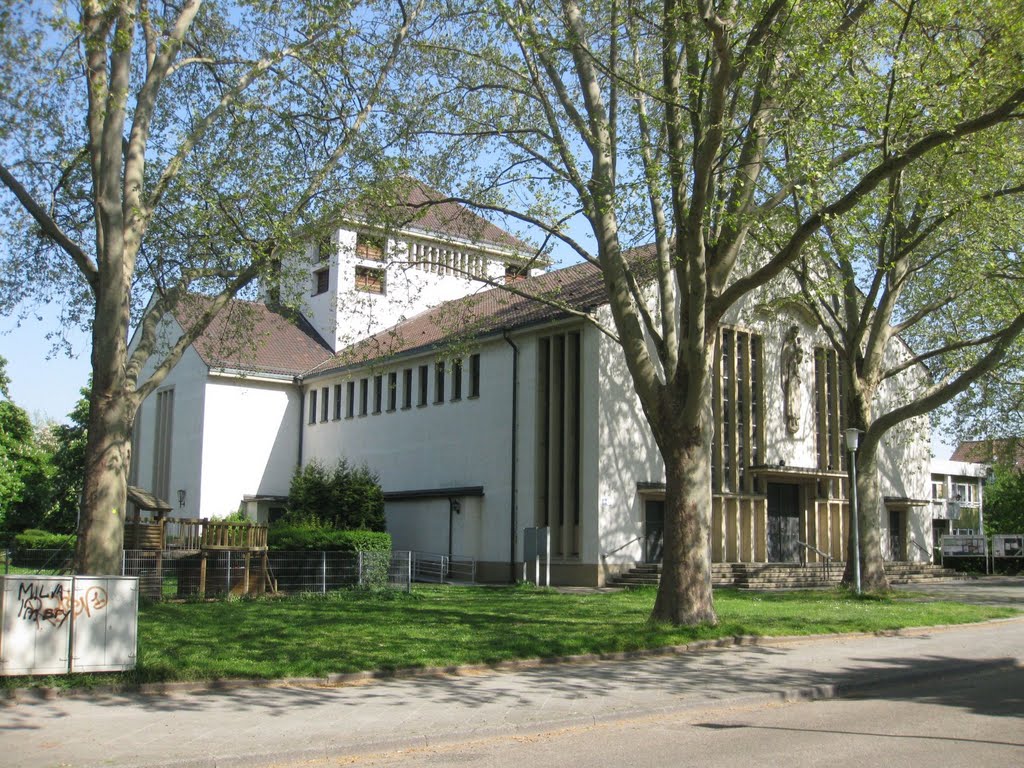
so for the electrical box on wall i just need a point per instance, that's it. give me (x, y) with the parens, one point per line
(58, 624)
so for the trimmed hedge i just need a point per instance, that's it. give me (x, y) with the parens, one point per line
(30, 546)
(296, 536)
(33, 538)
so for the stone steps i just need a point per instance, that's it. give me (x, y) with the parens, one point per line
(760, 576)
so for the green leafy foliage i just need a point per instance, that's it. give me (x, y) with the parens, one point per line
(344, 498)
(34, 538)
(310, 536)
(31, 541)
(1004, 502)
(25, 471)
(69, 468)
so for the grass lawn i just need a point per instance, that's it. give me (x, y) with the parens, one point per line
(352, 631)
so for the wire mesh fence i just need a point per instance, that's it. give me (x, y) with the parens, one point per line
(47, 562)
(177, 574)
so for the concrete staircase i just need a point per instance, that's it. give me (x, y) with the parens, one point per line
(756, 576)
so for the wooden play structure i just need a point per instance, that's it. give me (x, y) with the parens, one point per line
(206, 556)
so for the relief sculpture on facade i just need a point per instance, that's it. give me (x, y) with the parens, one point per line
(792, 382)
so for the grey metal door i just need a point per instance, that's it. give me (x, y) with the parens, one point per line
(783, 523)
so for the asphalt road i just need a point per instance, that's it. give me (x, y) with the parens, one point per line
(728, 705)
(972, 720)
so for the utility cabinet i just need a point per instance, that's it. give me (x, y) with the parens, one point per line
(59, 624)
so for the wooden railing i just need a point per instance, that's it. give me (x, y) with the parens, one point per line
(236, 536)
(193, 535)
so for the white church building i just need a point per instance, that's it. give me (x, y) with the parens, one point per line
(484, 412)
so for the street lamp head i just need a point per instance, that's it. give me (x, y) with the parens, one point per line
(853, 438)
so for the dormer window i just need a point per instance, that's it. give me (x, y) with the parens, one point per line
(370, 247)
(369, 280)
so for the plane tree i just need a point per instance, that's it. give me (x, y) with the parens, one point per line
(920, 293)
(154, 150)
(609, 125)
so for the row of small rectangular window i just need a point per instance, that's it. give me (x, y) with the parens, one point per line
(385, 390)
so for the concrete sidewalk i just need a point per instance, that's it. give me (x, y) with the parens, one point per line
(260, 726)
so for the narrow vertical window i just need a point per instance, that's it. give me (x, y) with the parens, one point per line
(364, 395)
(337, 401)
(162, 443)
(439, 382)
(312, 406)
(324, 403)
(392, 390)
(378, 392)
(321, 281)
(424, 380)
(457, 379)
(474, 375)
(350, 400)
(407, 388)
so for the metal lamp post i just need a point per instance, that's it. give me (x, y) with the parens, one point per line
(852, 441)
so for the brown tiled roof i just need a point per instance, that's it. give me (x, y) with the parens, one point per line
(421, 209)
(578, 288)
(990, 451)
(250, 336)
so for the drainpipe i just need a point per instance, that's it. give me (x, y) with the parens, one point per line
(513, 510)
(302, 419)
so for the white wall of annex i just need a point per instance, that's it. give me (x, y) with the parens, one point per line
(250, 443)
(451, 444)
(187, 379)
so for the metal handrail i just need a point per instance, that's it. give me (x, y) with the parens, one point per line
(826, 564)
(623, 546)
(926, 553)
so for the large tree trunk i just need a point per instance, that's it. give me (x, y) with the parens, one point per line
(871, 504)
(112, 409)
(869, 507)
(869, 497)
(104, 495)
(685, 595)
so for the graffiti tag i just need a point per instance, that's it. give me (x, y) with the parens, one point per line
(50, 606)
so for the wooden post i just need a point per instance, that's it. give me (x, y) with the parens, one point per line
(245, 583)
(202, 574)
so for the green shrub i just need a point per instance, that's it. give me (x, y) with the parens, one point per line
(312, 536)
(33, 538)
(345, 497)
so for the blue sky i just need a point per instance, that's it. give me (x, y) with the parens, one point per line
(43, 382)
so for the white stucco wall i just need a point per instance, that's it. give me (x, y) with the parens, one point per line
(464, 443)
(231, 436)
(249, 442)
(628, 453)
(343, 314)
(188, 380)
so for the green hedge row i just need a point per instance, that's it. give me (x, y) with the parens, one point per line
(290, 536)
(33, 538)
